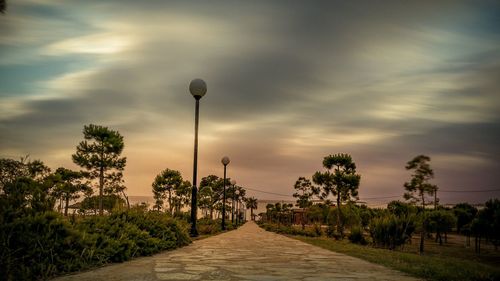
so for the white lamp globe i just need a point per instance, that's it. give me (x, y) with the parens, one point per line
(198, 88)
(225, 160)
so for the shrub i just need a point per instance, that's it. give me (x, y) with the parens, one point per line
(356, 236)
(331, 232)
(391, 231)
(207, 226)
(317, 229)
(40, 245)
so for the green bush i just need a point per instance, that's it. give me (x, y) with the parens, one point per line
(356, 236)
(40, 245)
(290, 230)
(391, 231)
(207, 226)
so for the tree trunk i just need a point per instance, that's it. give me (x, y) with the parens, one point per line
(170, 202)
(101, 179)
(66, 206)
(435, 200)
(101, 187)
(422, 233)
(340, 227)
(251, 214)
(126, 199)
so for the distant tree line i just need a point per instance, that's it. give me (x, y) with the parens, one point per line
(392, 227)
(171, 193)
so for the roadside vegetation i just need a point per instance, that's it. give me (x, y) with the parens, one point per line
(44, 233)
(418, 236)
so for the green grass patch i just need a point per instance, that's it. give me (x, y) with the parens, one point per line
(428, 266)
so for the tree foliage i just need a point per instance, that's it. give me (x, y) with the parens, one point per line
(69, 185)
(165, 185)
(251, 203)
(419, 187)
(465, 213)
(340, 180)
(211, 193)
(100, 153)
(304, 192)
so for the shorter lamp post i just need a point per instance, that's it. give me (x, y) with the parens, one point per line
(225, 161)
(233, 184)
(237, 193)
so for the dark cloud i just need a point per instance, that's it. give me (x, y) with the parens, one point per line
(288, 83)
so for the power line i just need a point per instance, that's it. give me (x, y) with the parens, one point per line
(382, 197)
(465, 191)
(273, 193)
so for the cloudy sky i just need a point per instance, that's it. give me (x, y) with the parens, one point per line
(288, 83)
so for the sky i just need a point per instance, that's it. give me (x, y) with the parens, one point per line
(289, 82)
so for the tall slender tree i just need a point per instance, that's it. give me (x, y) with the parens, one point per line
(340, 180)
(100, 153)
(419, 187)
(304, 193)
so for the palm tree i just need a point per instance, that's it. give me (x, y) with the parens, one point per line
(251, 203)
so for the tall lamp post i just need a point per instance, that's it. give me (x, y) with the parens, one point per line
(233, 184)
(197, 88)
(225, 161)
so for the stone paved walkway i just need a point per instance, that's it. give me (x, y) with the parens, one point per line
(248, 253)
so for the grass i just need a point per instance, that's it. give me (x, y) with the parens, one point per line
(430, 266)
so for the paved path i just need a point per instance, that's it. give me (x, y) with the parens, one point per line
(248, 253)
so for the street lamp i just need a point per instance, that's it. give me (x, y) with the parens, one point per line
(197, 88)
(237, 192)
(225, 161)
(233, 183)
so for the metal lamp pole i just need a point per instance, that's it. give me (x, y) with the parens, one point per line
(197, 88)
(225, 161)
(237, 206)
(233, 183)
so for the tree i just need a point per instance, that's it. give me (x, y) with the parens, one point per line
(304, 193)
(240, 197)
(182, 196)
(69, 185)
(114, 184)
(92, 203)
(340, 180)
(165, 185)
(25, 187)
(213, 187)
(251, 203)
(491, 214)
(419, 187)
(99, 153)
(465, 213)
(441, 221)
